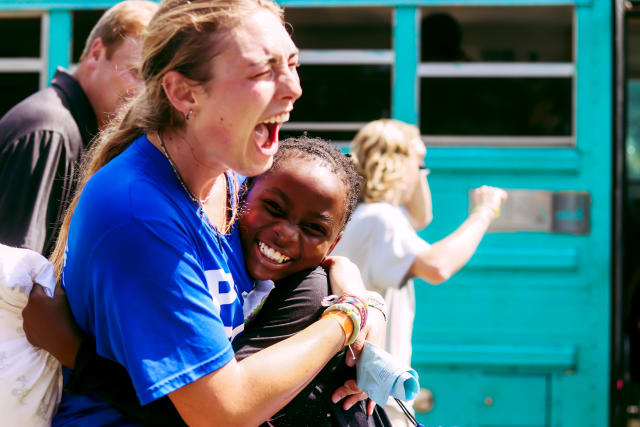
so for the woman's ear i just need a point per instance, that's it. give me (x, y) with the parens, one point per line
(179, 91)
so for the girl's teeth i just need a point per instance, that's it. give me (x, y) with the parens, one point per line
(271, 253)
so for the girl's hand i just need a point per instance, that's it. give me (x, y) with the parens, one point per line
(353, 395)
(344, 276)
(48, 324)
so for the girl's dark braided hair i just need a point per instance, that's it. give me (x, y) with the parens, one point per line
(305, 147)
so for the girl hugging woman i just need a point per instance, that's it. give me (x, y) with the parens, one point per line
(291, 218)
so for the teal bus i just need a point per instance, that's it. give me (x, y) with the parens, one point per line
(539, 97)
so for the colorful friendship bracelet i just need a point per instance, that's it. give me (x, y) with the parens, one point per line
(353, 307)
(358, 303)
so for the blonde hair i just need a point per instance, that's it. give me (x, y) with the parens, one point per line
(381, 151)
(182, 36)
(125, 19)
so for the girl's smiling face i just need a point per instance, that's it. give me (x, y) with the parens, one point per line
(292, 218)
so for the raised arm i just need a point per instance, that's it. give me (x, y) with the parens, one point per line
(445, 257)
(419, 204)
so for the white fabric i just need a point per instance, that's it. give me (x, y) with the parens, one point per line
(254, 300)
(380, 240)
(30, 378)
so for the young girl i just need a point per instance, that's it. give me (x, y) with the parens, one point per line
(292, 216)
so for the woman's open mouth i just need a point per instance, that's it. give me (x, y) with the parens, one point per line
(266, 134)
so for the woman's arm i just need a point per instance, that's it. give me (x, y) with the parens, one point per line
(241, 393)
(291, 307)
(419, 205)
(445, 257)
(275, 375)
(247, 393)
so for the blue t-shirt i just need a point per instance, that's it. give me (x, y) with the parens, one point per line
(145, 274)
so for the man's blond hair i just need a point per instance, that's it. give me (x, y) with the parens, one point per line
(381, 151)
(125, 19)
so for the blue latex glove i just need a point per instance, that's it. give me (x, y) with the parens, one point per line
(381, 376)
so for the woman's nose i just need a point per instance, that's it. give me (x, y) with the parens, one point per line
(290, 84)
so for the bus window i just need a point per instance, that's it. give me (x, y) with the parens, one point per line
(497, 34)
(496, 106)
(346, 69)
(495, 76)
(334, 93)
(25, 46)
(340, 27)
(15, 87)
(22, 70)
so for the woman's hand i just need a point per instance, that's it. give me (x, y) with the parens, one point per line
(490, 199)
(48, 324)
(419, 205)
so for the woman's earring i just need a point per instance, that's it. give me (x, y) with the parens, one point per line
(188, 115)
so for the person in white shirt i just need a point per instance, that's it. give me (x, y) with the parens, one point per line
(381, 237)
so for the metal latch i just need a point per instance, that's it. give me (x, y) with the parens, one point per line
(544, 211)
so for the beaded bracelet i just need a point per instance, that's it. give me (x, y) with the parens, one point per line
(375, 300)
(358, 303)
(356, 309)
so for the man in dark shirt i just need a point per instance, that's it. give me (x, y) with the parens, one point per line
(43, 137)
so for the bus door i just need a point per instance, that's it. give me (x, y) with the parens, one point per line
(517, 97)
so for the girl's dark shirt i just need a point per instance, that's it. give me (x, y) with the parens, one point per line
(293, 304)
